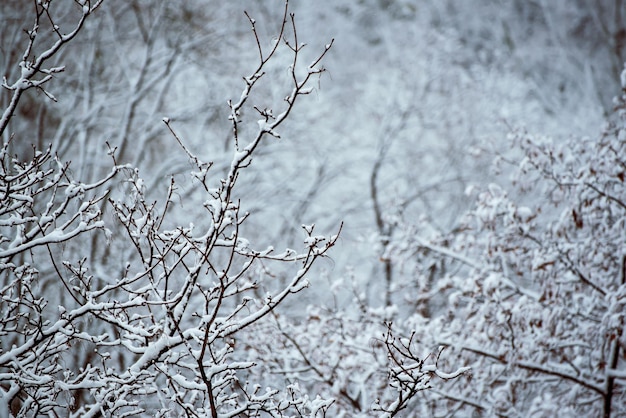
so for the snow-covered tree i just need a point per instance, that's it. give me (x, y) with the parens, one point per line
(157, 336)
(124, 264)
(529, 290)
(112, 307)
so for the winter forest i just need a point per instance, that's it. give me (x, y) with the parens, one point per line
(375, 208)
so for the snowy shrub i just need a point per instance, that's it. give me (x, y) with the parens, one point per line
(533, 279)
(120, 297)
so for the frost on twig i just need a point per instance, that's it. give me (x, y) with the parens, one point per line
(409, 373)
(32, 65)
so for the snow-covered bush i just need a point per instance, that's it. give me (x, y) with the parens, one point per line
(530, 285)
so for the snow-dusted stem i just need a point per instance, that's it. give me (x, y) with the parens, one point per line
(30, 68)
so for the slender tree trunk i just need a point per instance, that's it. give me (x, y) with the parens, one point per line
(613, 359)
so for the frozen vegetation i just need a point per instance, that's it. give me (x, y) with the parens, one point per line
(312, 209)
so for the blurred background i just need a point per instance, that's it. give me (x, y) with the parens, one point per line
(417, 101)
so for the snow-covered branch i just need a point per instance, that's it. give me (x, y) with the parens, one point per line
(156, 330)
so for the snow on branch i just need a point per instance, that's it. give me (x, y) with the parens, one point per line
(145, 318)
(409, 373)
(31, 65)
